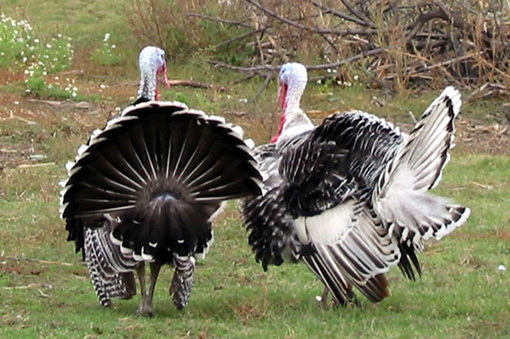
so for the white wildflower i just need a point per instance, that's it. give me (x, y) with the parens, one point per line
(106, 37)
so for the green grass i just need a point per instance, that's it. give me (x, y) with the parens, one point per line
(44, 286)
(461, 293)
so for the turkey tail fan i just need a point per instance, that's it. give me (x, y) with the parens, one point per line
(155, 155)
(401, 194)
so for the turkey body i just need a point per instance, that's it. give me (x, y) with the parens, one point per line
(350, 197)
(145, 188)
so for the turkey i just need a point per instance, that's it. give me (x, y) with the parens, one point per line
(145, 188)
(350, 197)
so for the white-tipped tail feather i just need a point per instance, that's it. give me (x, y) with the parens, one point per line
(401, 195)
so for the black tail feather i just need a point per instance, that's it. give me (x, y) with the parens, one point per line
(161, 169)
(409, 259)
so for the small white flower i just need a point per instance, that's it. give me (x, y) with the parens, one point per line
(16, 102)
(501, 268)
(73, 94)
(59, 35)
(36, 41)
(356, 77)
(106, 37)
(113, 46)
(102, 86)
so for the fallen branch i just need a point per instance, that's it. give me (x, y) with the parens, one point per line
(36, 165)
(196, 84)
(24, 287)
(271, 68)
(43, 262)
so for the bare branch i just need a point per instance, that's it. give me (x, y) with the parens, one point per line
(347, 31)
(260, 68)
(340, 14)
(223, 21)
(240, 37)
(358, 13)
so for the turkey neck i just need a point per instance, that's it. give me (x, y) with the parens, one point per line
(148, 84)
(295, 120)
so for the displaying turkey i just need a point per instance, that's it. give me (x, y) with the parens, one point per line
(350, 197)
(144, 189)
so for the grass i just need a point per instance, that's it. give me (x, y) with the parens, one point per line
(462, 293)
(44, 285)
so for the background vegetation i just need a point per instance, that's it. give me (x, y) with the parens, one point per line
(44, 286)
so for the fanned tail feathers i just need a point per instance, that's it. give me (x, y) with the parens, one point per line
(162, 170)
(401, 195)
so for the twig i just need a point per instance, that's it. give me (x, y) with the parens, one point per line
(263, 87)
(36, 165)
(44, 262)
(223, 21)
(24, 287)
(240, 37)
(357, 13)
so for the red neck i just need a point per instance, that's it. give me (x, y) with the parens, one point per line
(282, 100)
(280, 128)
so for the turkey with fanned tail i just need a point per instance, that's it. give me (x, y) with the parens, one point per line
(145, 188)
(350, 197)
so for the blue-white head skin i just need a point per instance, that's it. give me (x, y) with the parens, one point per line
(292, 82)
(152, 62)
